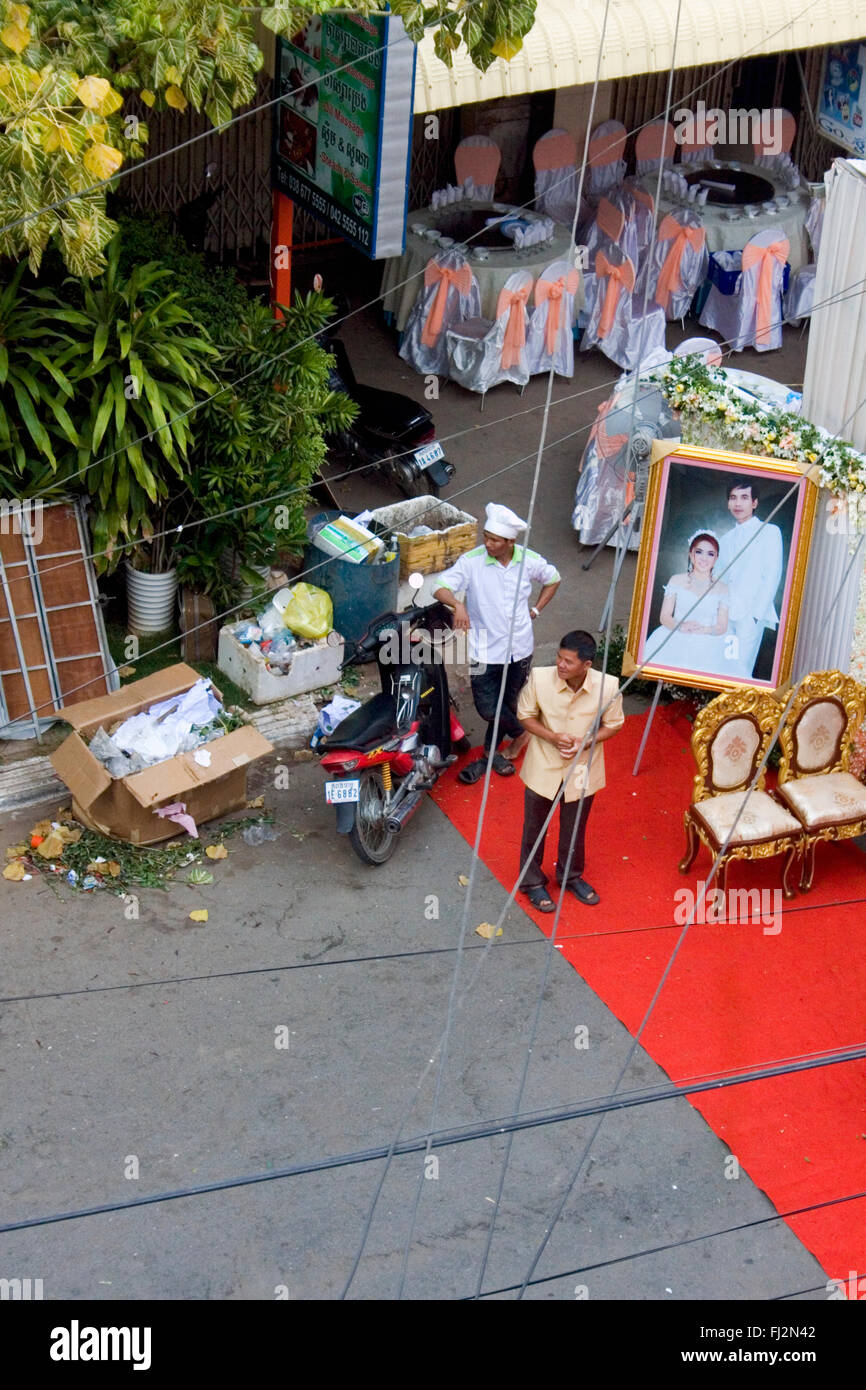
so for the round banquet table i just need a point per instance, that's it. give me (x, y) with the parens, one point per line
(403, 275)
(731, 234)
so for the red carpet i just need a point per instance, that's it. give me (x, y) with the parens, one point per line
(736, 997)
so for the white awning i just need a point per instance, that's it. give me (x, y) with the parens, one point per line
(561, 49)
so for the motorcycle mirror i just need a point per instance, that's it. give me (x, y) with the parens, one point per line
(416, 581)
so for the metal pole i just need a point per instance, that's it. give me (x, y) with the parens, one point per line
(647, 727)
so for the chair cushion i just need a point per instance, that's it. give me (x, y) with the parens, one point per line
(831, 798)
(732, 752)
(817, 734)
(762, 819)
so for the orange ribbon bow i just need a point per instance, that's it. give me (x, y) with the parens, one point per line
(763, 257)
(440, 275)
(669, 281)
(513, 303)
(619, 278)
(554, 290)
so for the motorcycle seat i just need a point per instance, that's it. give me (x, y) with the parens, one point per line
(365, 727)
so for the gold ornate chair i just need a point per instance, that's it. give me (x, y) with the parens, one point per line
(814, 781)
(729, 740)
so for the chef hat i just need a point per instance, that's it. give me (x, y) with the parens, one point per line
(501, 521)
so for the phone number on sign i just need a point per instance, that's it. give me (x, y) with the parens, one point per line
(328, 210)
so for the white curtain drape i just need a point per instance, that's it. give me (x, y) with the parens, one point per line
(834, 395)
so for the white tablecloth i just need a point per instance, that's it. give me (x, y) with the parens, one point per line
(724, 234)
(402, 276)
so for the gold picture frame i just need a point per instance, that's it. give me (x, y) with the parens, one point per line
(689, 496)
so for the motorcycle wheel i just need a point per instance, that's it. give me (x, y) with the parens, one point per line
(370, 839)
(410, 483)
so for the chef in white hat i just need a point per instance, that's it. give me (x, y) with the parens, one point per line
(491, 581)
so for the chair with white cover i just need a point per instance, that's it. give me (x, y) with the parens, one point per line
(775, 152)
(483, 352)
(448, 295)
(654, 145)
(643, 213)
(550, 341)
(606, 151)
(707, 349)
(800, 297)
(478, 158)
(751, 316)
(695, 150)
(555, 160)
(616, 324)
(678, 262)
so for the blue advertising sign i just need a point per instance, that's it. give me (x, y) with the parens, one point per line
(842, 103)
(343, 130)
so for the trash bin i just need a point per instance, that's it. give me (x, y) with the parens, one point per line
(359, 593)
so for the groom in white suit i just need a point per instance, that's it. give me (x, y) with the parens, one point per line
(753, 550)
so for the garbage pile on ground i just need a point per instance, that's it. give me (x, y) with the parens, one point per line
(71, 855)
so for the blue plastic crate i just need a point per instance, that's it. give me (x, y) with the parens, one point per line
(725, 281)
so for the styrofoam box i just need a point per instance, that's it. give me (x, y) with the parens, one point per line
(311, 668)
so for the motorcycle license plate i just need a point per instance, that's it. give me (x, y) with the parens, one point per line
(336, 792)
(424, 457)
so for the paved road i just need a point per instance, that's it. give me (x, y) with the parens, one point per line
(150, 1044)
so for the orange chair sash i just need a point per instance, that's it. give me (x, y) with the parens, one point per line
(606, 444)
(763, 257)
(610, 219)
(443, 278)
(513, 303)
(619, 278)
(672, 231)
(553, 291)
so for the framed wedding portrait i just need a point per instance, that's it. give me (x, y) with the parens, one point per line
(721, 567)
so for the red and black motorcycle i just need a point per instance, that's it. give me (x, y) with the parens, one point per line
(392, 750)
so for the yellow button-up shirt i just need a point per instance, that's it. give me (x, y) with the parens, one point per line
(551, 700)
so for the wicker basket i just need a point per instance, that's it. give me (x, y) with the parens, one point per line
(454, 532)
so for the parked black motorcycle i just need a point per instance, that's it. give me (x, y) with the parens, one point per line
(393, 749)
(391, 433)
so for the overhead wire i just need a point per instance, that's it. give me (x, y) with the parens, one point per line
(458, 1135)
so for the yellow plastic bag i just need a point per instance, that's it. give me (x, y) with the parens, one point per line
(309, 612)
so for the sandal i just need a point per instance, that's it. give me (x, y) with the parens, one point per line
(472, 772)
(582, 891)
(503, 766)
(539, 898)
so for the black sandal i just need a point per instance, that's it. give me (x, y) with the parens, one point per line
(472, 772)
(540, 900)
(583, 892)
(503, 766)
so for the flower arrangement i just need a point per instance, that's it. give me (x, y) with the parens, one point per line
(712, 410)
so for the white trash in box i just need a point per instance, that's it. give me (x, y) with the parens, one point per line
(310, 667)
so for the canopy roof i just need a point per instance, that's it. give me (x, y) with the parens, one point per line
(561, 49)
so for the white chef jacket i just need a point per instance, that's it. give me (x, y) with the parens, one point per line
(490, 588)
(755, 572)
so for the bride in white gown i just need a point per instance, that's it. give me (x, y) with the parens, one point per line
(699, 642)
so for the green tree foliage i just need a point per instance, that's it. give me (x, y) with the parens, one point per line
(262, 440)
(96, 391)
(67, 68)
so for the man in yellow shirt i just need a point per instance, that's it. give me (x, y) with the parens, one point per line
(557, 707)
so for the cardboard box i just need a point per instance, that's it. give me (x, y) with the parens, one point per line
(123, 807)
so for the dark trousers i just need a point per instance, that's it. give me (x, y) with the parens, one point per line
(535, 810)
(485, 693)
